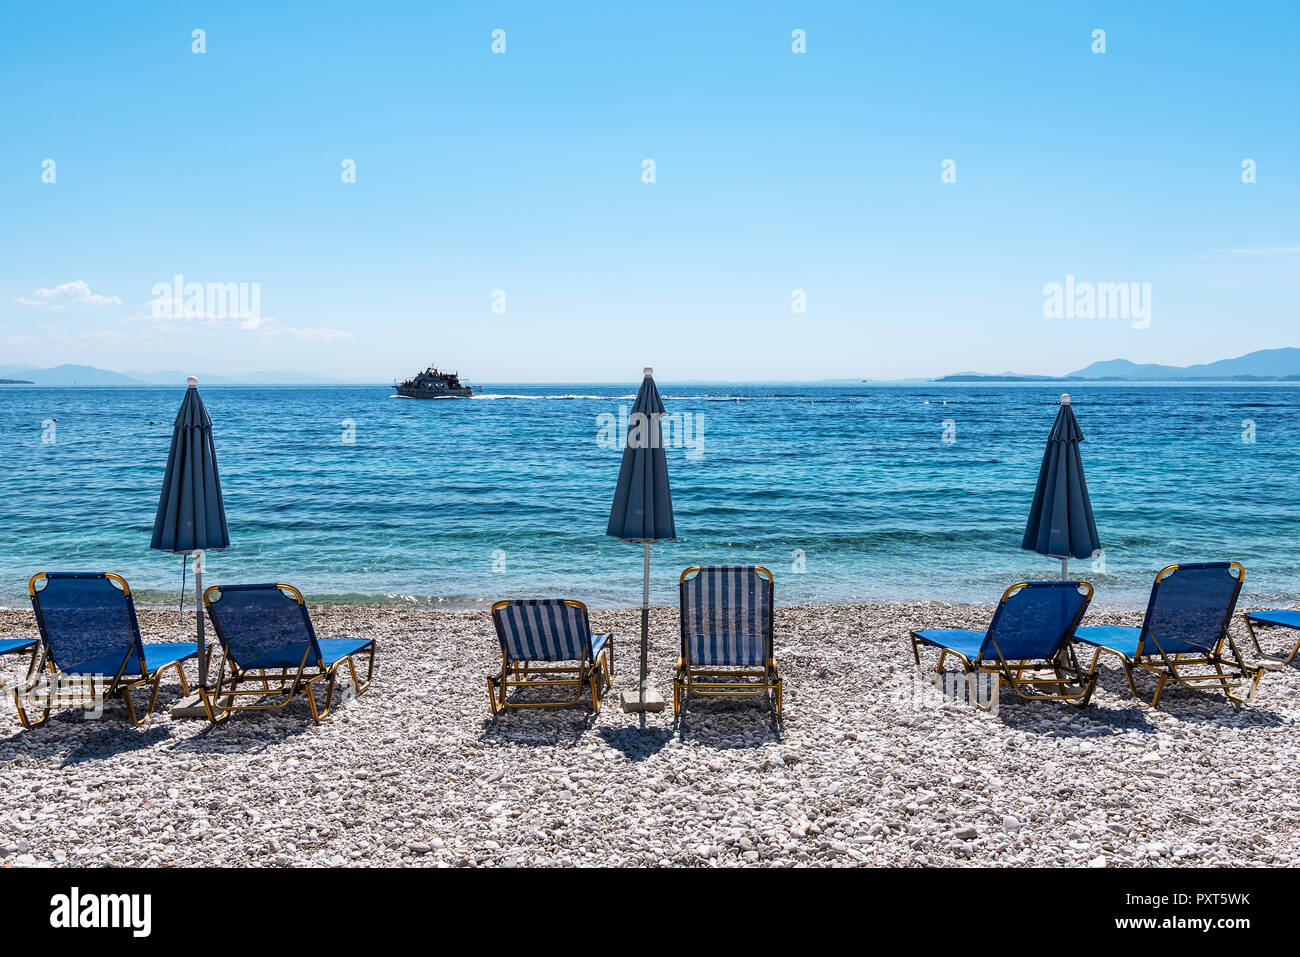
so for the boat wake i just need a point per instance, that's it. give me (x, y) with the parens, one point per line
(508, 396)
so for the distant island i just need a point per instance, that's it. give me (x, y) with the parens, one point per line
(1264, 365)
(73, 375)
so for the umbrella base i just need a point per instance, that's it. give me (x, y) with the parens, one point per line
(191, 706)
(631, 701)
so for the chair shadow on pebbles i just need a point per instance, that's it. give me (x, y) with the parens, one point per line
(729, 724)
(250, 733)
(1092, 722)
(536, 727)
(107, 741)
(255, 731)
(1204, 706)
(91, 737)
(636, 743)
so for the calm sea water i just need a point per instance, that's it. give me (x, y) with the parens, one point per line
(844, 492)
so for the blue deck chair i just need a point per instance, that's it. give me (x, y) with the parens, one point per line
(548, 643)
(1281, 618)
(16, 646)
(727, 623)
(89, 632)
(1182, 638)
(271, 651)
(1027, 645)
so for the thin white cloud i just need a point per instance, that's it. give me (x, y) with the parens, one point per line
(77, 291)
(263, 325)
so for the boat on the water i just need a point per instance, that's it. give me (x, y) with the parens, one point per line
(433, 383)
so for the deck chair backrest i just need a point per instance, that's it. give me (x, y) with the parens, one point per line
(1034, 620)
(255, 620)
(543, 629)
(87, 616)
(1190, 607)
(727, 615)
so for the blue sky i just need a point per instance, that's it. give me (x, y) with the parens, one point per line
(522, 172)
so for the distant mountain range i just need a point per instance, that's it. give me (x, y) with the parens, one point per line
(1265, 364)
(89, 375)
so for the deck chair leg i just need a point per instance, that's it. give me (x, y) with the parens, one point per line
(1226, 686)
(1072, 672)
(316, 713)
(357, 685)
(1090, 685)
(211, 699)
(972, 685)
(34, 669)
(125, 693)
(1160, 689)
(216, 714)
(1246, 674)
(1285, 659)
(153, 690)
(938, 669)
(1128, 673)
(23, 718)
(1254, 687)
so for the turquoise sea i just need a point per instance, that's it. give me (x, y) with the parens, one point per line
(846, 492)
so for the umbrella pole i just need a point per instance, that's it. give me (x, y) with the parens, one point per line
(1065, 563)
(645, 621)
(198, 613)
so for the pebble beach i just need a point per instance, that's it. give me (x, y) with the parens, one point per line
(869, 768)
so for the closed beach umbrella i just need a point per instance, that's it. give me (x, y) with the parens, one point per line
(643, 508)
(191, 516)
(1060, 520)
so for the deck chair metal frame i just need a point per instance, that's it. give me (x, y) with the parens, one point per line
(592, 671)
(1029, 678)
(35, 664)
(710, 680)
(1172, 666)
(285, 682)
(1252, 622)
(121, 684)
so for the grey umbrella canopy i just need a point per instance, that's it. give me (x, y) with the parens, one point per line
(1060, 519)
(643, 503)
(191, 515)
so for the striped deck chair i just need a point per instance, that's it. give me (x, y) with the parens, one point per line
(271, 651)
(727, 616)
(1281, 618)
(548, 643)
(92, 644)
(1183, 636)
(1026, 645)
